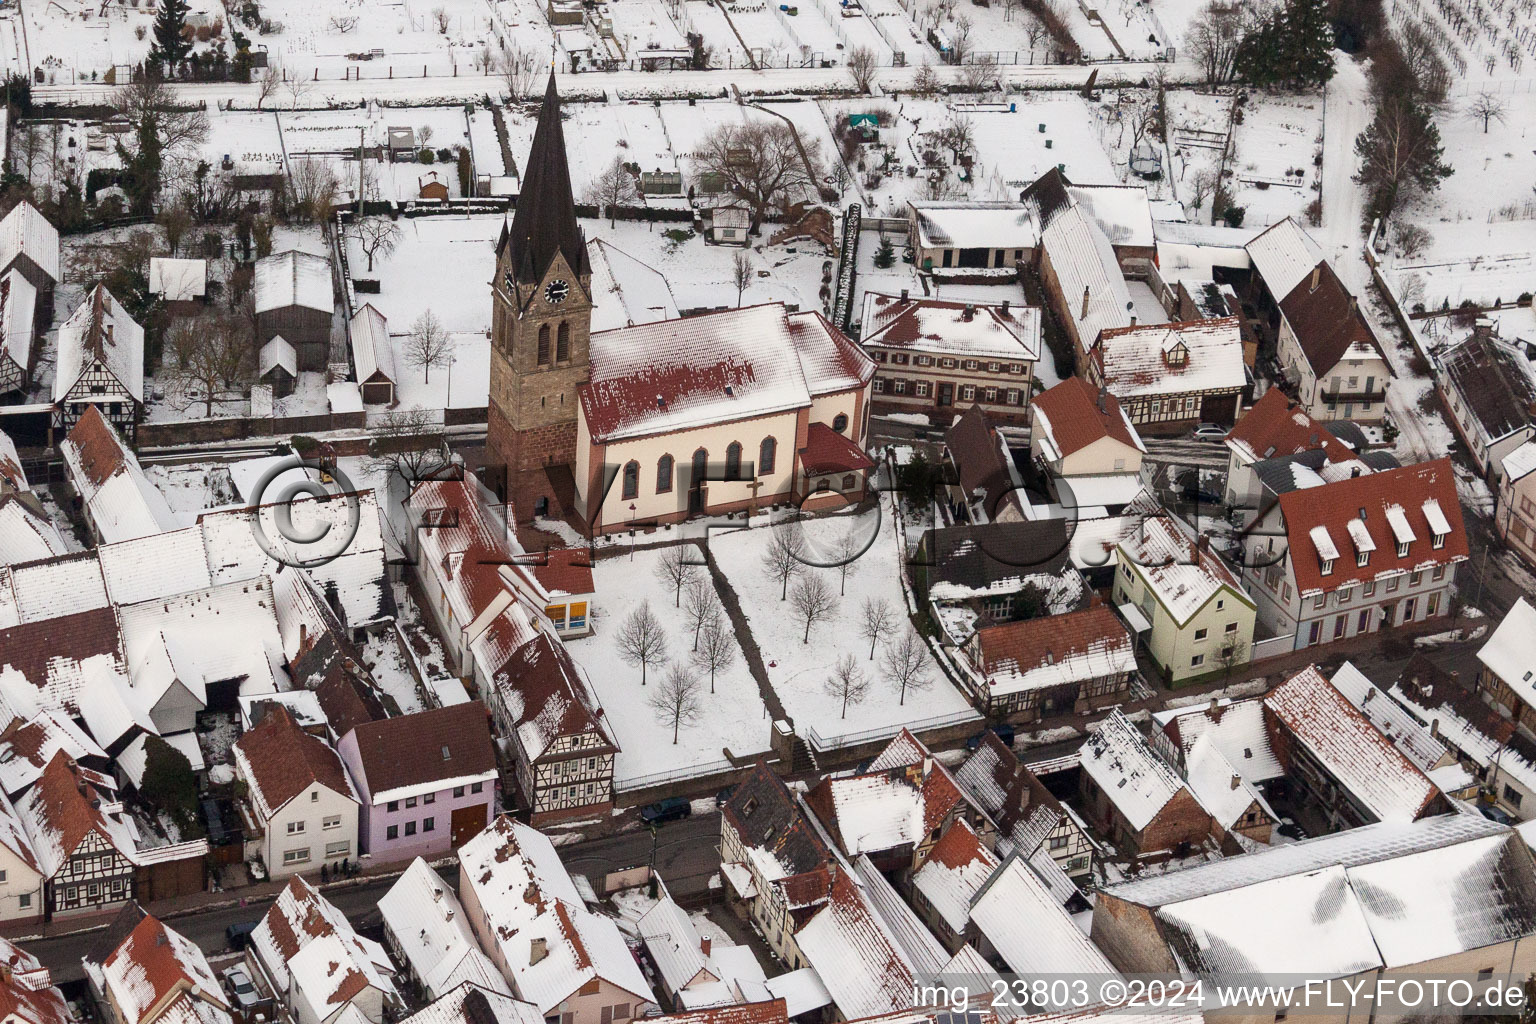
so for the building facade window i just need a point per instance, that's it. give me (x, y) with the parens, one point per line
(544, 344)
(733, 461)
(664, 474)
(631, 480)
(767, 456)
(840, 422)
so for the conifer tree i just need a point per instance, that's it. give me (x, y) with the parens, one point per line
(171, 46)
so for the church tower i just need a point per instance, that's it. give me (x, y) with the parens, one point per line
(540, 326)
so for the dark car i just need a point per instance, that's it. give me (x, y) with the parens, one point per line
(1004, 733)
(670, 809)
(237, 935)
(1497, 814)
(724, 796)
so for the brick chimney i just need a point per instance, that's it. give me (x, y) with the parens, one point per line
(1317, 277)
(1084, 313)
(704, 945)
(538, 949)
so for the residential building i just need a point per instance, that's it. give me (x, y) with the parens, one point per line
(1081, 431)
(373, 356)
(19, 327)
(561, 747)
(1281, 255)
(1170, 377)
(562, 579)
(844, 938)
(27, 745)
(944, 887)
(1277, 427)
(990, 488)
(27, 988)
(100, 365)
(81, 844)
(1021, 928)
(995, 572)
(1024, 671)
(21, 875)
(531, 920)
(695, 970)
(1192, 608)
(937, 356)
(26, 532)
(1122, 212)
(29, 244)
(1029, 817)
(425, 928)
(1236, 726)
(295, 298)
(970, 235)
(1387, 915)
(1356, 554)
(1515, 511)
(1418, 742)
(119, 501)
(1133, 797)
(1083, 281)
(1329, 351)
(1487, 385)
(1507, 676)
(155, 973)
(896, 809)
(426, 781)
(475, 1004)
(302, 811)
(1341, 772)
(315, 964)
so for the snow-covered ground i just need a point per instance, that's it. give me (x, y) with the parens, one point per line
(385, 660)
(732, 717)
(797, 669)
(1275, 149)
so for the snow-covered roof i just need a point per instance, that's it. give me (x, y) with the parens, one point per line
(303, 706)
(1120, 762)
(176, 280)
(675, 947)
(1519, 463)
(1172, 359)
(801, 990)
(120, 500)
(294, 278)
(280, 761)
(46, 663)
(300, 917)
(371, 351)
(1390, 718)
(25, 535)
(150, 965)
(1092, 286)
(1003, 333)
(344, 396)
(1277, 426)
(471, 1002)
(944, 224)
(1058, 650)
(1283, 255)
(1122, 212)
(1218, 785)
(1182, 574)
(527, 895)
(13, 836)
(1072, 415)
(155, 565)
(857, 959)
(888, 807)
(26, 747)
(277, 352)
(26, 232)
(337, 968)
(1361, 759)
(18, 307)
(741, 363)
(100, 333)
(1510, 651)
(1238, 729)
(1030, 930)
(913, 938)
(955, 871)
(626, 291)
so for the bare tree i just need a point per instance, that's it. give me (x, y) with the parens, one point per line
(267, 84)
(676, 570)
(377, 236)
(519, 70)
(612, 189)
(782, 559)
(159, 133)
(314, 187)
(958, 135)
(1485, 107)
(741, 273)
(875, 620)
(906, 662)
(429, 344)
(341, 24)
(175, 219)
(1412, 240)
(716, 649)
(1214, 38)
(960, 40)
(981, 74)
(848, 546)
(641, 641)
(1203, 185)
(813, 602)
(443, 19)
(760, 164)
(702, 606)
(676, 700)
(407, 443)
(1231, 656)
(847, 683)
(210, 358)
(298, 88)
(862, 64)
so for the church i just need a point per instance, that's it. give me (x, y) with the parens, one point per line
(653, 423)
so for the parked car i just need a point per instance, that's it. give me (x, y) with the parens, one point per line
(237, 982)
(1210, 432)
(1004, 733)
(1497, 814)
(238, 935)
(670, 809)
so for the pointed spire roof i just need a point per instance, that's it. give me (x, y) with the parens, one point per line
(545, 219)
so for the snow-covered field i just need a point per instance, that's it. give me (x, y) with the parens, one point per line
(1277, 151)
(798, 670)
(732, 717)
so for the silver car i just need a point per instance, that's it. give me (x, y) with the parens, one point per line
(238, 982)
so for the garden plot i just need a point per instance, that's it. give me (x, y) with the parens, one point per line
(596, 133)
(70, 41)
(798, 670)
(484, 146)
(1494, 171)
(706, 18)
(441, 263)
(1277, 152)
(1012, 151)
(733, 717)
(640, 25)
(818, 38)
(338, 131)
(404, 38)
(764, 32)
(1466, 261)
(1483, 42)
(13, 57)
(1197, 138)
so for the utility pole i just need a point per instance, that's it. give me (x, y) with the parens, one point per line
(360, 171)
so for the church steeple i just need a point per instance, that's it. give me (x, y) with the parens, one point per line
(544, 222)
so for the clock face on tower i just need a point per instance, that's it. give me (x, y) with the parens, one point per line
(556, 291)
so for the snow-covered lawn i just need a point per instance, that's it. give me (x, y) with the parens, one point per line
(799, 670)
(732, 717)
(1275, 149)
(191, 490)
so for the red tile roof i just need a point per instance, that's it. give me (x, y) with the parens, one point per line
(429, 746)
(162, 961)
(1326, 319)
(41, 650)
(285, 760)
(1277, 426)
(1080, 415)
(565, 571)
(769, 1012)
(1021, 646)
(1334, 506)
(101, 450)
(61, 801)
(827, 451)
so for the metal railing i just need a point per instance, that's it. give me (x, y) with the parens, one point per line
(821, 743)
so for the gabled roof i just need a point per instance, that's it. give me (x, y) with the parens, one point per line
(1277, 426)
(544, 222)
(298, 918)
(154, 565)
(277, 353)
(970, 560)
(1182, 573)
(1238, 729)
(1172, 359)
(955, 871)
(1219, 786)
(1088, 274)
(1000, 784)
(947, 224)
(1376, 774)
(1123, 212)
(51, 587)
(120, 499)
(1283, 255)
(1073, 414)
(766, 817)
(1508, 651)
(1494, 382)
(67, 804)
(1418, 498)
(371, 351)
(888, 809)
(985, 467)
(26, 232)
(431, 750)
(473, 1003)
(27, 745)
(335, 969)
(1328, 322)
(1029, 929)
(25, 535)
(527, 895)
(294, 278)
(224, 632)
(281, 761)
(1057, 650)
(26, 990)
(857, 958)
(149, 968)
(965, 329)
(827, 451)
(1390, 718)
(18, 307)
(45, 663)
(1136, 781)
(100, 331)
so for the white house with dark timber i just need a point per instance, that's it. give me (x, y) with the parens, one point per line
(101, 363)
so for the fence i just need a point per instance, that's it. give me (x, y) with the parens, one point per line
(1272, 647)
(719, 766)
(233, 428)
(823, 744)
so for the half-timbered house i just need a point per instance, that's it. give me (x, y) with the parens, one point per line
(82, 850)
(18, 329)
(101, 364)
(1169, 377)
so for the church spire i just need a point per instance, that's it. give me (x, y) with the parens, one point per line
(544, 222)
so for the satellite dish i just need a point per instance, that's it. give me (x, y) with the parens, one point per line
(1130, 304)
